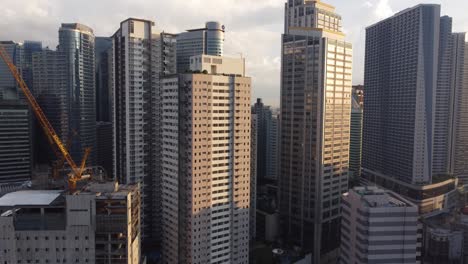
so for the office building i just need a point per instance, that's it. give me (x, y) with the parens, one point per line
(208, 40)
(355, 143)
(99, 224)
(378, 227)
(103, 92)
(15, 142)
(16, 145)
(64, 86)
(253, 174)
(409, 118)
(315, 122)
(141, 55)
(206, 122)
(267, 141)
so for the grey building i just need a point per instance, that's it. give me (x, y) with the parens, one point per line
(267, 141)
(141, 56)
(15, 142)
(104, 147)
(64, 86)
(355, 143)
(98, 224)
(315, 120)
(378, 227)
(103, 92)
(208, 40)
(16, 146)
(409, 118)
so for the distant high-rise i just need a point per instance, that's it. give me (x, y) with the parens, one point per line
(103, 92)
(16, 145)
(267, 141)
(64, 86)
(15, 142)
(355, 144)
(208, 40)
(206, 122)
(378, 227)
(141, 56)
(76, 42)
(315, 127)
(413, 77)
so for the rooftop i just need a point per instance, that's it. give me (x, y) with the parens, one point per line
(29, 198)
(376, 197)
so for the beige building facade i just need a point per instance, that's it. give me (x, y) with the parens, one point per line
(206, 163)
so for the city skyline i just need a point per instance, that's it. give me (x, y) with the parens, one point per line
(250, 26)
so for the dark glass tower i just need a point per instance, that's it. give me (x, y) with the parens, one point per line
(76, 42)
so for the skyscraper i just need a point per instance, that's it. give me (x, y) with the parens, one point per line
(355, 144)
(76, 42)
(103, 92)
(16, 144)
(141, 55)
(378, 227)
(315, 123)
(208, 40)
(413, 73)
(64, 86)
(206, 122)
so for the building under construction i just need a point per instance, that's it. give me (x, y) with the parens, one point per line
(100, 223)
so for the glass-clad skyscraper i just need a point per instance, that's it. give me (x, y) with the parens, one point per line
(315, 127)
(208, 40)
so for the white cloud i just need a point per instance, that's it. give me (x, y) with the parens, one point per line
(368, 4)
(383, 9)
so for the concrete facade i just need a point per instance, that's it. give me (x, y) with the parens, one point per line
(378, 227)
(206, 124)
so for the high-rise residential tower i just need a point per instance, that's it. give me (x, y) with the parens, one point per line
(141, 55)
(208, 40)
(413, 78)
(315, 127)
(206, 122)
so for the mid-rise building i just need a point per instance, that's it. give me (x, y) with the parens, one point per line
(206, 123)
(208, 40)
(141, 56)
(315, 127)
(378, 227)
(99, 224)
(411, 93)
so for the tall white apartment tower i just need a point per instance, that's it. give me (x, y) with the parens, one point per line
(315, 127)
(141, 55)
(378, 227)
(206, 129)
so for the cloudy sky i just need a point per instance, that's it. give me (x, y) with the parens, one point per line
(253, 27)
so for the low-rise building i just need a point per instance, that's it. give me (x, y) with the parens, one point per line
(98, 224)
